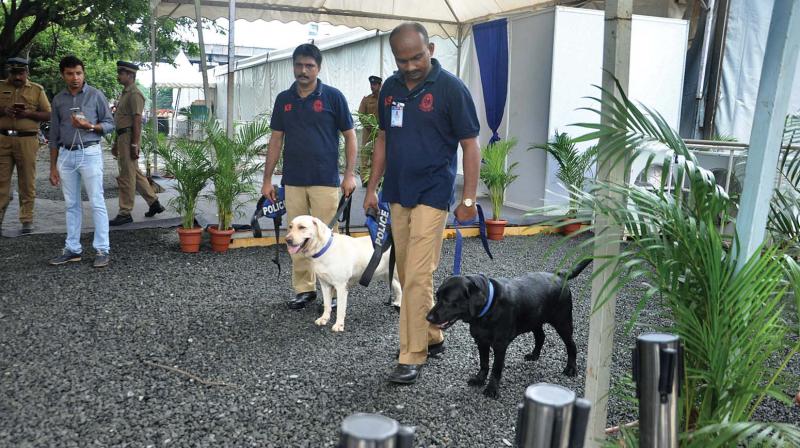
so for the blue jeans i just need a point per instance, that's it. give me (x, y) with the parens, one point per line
(86, 164)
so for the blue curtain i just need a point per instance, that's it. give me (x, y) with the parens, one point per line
(491, 45)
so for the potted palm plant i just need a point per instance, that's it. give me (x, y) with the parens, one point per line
(189, 164)
(496, 176)
(368, 121)
(235, 162)
(572, 167)
(734, 319)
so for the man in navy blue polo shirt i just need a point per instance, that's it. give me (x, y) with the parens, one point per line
(306, 122)
(424, 114)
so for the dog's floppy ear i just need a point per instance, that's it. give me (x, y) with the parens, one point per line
(317, 227)
(478, 290)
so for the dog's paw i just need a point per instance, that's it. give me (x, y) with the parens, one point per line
(532, 356)
(491, 391)
(337, 328)
(321, 321)
(476, 380)
(570, 371)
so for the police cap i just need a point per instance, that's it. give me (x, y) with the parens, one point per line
(122, 65)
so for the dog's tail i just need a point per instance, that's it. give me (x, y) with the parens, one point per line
(577, 270)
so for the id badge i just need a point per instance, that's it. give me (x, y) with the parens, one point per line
(397, 115)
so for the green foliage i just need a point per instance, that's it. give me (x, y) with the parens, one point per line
(188, 162)
(572, 165)
(117, 29)
(367, 121)
(235, 162)
(730, 319)
(784, 217)
(494, 173)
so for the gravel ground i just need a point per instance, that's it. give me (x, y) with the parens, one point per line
(80, 351)
(46, 191)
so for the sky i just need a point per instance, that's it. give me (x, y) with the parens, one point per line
(273, 34)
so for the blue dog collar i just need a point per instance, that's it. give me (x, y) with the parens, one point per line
(324, 248)
(489, 299)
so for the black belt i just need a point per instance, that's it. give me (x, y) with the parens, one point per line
(123, 130)
(81, 147)
(15, 133)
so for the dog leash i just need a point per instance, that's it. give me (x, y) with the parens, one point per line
(460, 239)
(343, 213)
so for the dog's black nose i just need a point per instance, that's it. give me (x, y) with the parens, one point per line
(289, 240)
(430, 318)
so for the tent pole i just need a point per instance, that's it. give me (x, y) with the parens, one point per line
(616, 64)
(459, 44)
(766, 138)
(231, 59)
(153, 91)
(203, 68)
(380, 47)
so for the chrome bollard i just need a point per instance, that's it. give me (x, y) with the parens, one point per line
(374, 431)
(551, 417)
(657, 372)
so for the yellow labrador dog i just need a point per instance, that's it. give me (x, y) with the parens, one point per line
(338, 261)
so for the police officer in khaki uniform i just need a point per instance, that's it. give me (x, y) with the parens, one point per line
(128, 122)
(369, 105)
(23, 105)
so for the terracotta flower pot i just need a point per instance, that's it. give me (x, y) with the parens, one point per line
(190, 239)
(220, 239)
(569, 229)
(495, 229)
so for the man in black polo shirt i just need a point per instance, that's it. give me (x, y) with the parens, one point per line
(424, 114)
(306, 122)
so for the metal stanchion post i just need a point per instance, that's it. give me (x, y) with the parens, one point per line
(551, 417)
(657, 371)
(374, 431)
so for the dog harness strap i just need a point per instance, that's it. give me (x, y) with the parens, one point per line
(489, 298)
(276, 211)
(460, 239)
(379, 244)
(324, 248)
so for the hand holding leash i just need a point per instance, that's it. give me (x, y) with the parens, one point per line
(465, 214)
(348, 185)
(370, 201)
(268, 190)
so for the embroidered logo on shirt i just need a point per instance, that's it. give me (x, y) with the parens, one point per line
(426, 104)
(388, 101)
(317, 105)
(287, 107)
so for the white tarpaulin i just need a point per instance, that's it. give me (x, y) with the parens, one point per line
(440, 17)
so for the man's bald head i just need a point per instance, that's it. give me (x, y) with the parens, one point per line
(412, 52)
(409, 29)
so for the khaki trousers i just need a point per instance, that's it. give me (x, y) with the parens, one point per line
(320, 202)
(417, 234)
(130, 179)
(19, 152)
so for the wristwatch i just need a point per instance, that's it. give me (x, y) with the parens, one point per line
(468, 202)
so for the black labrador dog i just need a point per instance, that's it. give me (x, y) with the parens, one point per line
(499, 309)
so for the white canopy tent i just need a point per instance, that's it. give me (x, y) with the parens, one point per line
(182, 77)
(440, 17)
(180, 74)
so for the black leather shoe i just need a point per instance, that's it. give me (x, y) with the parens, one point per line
(120, 220)
(299, 302)
(434, 350)
(155, 208)
(405, 373)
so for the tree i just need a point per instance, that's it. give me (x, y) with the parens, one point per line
(117, 31)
